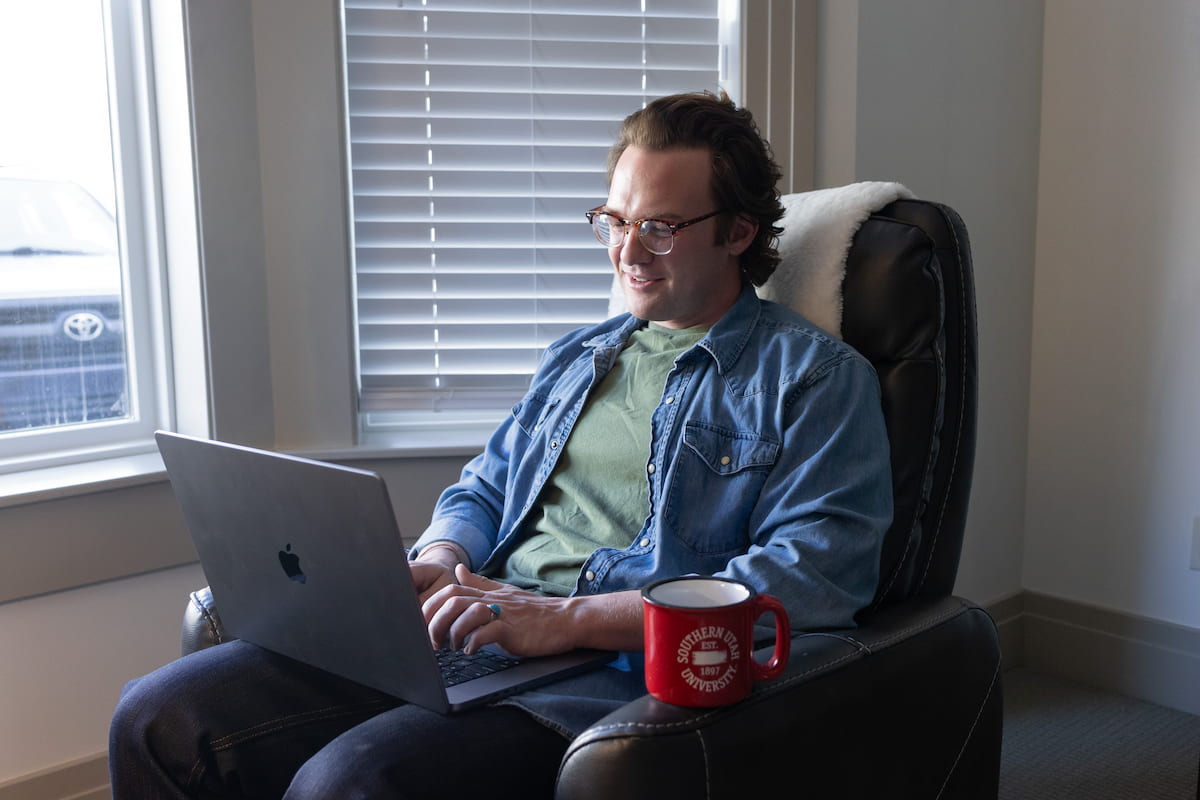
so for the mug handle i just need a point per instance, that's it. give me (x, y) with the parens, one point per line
(783, 639)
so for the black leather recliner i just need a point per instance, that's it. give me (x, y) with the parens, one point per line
(907, 705)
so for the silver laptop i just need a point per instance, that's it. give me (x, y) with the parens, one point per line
(305, 559)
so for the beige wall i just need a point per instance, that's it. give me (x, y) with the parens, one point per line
(66, 657)
(1114, 437)
(943, 97)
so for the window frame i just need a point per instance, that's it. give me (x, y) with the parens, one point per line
(136, 175)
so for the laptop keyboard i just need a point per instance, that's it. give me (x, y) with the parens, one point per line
(458, 667)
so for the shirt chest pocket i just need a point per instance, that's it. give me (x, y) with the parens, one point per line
(718, 478)
(728, 452)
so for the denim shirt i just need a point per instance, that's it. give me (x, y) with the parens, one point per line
(769, 463)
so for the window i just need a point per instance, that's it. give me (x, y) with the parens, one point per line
(77, 356)
(479, 131)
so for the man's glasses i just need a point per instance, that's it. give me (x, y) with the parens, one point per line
(656, 235)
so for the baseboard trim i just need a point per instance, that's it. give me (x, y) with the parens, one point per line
(83, 779)
(1136, 656)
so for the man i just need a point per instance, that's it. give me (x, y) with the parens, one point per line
(704, 432)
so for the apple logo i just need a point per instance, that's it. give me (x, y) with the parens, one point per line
(291, 565)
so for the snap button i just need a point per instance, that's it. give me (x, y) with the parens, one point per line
(650, 469)
(644, 542)
(591, 576)
(554, 445)
(725, 461)
(670, 399)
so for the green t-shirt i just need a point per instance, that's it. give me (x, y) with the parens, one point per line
(597, 495)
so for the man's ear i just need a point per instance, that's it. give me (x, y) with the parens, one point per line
(741, 234)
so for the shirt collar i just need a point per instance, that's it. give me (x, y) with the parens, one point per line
(728, 338)
(725, 340)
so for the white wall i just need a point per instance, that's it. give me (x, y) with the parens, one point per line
(67, 655)
(1114, 436)
(943, 96)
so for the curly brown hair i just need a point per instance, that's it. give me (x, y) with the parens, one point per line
(744, 172)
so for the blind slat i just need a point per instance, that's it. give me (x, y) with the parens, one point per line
(557, 209)
(382, 261)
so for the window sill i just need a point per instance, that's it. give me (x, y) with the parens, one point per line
(415, 441)
(52, 483)
(104, 474)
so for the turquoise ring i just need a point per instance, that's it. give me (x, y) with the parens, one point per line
(495, 609)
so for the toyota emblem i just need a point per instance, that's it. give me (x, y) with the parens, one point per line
(83, 326)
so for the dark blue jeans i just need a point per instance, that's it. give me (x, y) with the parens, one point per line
(238, 721)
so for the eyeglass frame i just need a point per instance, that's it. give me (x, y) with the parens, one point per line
(626, 224)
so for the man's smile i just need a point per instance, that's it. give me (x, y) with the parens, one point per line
(640, 281)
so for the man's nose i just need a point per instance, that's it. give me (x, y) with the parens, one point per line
(632, 249)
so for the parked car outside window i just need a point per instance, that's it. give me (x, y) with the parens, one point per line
(62, 342)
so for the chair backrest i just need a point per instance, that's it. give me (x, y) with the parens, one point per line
(909, 307)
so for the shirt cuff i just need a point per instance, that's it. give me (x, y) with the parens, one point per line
(475, 543)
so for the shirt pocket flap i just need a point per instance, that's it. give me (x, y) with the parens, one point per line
(729, 452)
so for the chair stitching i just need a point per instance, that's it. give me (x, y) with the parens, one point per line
(923, 625)
(704, 755)
(962, 400)
(862, 646)
(971, 732)
(668, 725)
(209, 619)
(841, 637)
(197, 773)
(213, 627)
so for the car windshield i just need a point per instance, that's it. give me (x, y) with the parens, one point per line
(52, 218)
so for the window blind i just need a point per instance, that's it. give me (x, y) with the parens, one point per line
(479, 131)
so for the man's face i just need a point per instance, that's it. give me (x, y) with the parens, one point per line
(699, 280)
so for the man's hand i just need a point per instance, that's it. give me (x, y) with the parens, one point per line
(460, 615)
(429, 577)
(434, 568)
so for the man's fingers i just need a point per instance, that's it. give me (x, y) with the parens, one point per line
(474, 628)
(428, 578)
(467, 578)
(444, 611)
(444, 595)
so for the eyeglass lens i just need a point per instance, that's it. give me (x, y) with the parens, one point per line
(655, 236)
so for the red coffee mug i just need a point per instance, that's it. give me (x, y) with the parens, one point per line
(700, 641)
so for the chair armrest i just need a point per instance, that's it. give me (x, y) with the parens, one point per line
(201, 623)
(908, 705)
